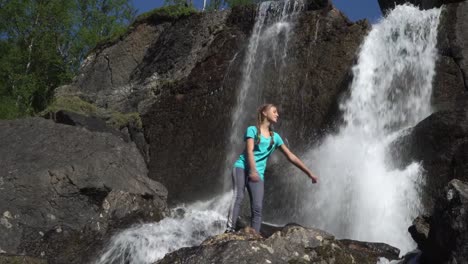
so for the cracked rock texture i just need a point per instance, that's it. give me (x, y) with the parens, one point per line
(442, 237)
(65, 189)
(293, 244)
(183, 77)
(440, 143)
(190, 123)
(447, 241)
(453, 36)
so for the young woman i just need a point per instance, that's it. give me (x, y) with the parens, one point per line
(248, 170)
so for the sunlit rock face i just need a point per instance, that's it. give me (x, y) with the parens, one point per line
(64, 189)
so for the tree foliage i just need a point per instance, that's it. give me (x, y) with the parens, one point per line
(233, 3)
(213, 4)
(43, 42)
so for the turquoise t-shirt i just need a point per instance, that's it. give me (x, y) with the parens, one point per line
(261, 150)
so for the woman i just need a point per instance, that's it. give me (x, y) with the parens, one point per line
(249, 169)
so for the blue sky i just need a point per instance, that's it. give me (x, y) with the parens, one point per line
(354, 9)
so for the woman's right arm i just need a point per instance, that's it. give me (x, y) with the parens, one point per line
(253, 174)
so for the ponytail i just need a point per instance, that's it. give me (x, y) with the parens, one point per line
(259, 121)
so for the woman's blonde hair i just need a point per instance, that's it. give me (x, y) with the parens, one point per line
(259, 121)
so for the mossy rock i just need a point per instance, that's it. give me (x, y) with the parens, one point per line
(77, 105)
(72, 104)
(155, 16)
(171, 12)
(119, 120)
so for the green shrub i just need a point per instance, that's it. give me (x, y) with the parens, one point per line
(9, 108)
(167, 12)
(164, 13)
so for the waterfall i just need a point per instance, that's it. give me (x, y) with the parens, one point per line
(268, 44)
(190, 225)
(186, 226)
(360, 195)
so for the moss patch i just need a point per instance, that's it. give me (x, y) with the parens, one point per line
(119, 120)
(72, 104)
(158, 15)
(171, 12)
(77, 105)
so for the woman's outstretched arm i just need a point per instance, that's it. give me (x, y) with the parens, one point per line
(297, 162)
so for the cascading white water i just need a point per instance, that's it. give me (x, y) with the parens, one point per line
(186, 226)
(360, 195)
(190, 225)
(269, 40)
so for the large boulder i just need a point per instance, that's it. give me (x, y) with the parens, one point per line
(448, 235)
(106, 77)
(65, 189)
(448, 90)
(440, 142)
(452, 39)
(446, 230)
(293, 244)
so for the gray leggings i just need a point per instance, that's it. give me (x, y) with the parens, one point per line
(240, 180)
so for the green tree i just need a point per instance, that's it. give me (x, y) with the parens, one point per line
(43, 42)
(233, 3)
(187, 3)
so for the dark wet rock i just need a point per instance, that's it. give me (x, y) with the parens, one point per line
(448, 90)
(91, 123)
(64, 189)
(368, 249)
(419, 230)
(411, 257)
(293, 244)
(453, 38)
(318, 4)
(450, 82)
(447, 240)
(440, 143)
